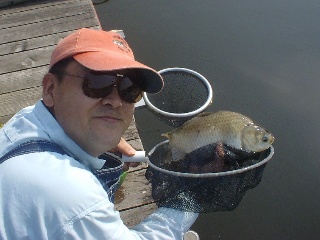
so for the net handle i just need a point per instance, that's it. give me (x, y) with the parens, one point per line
(203, 175)
(188, 114)
(140, 156)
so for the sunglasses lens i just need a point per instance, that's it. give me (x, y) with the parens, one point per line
(129, 91)
(100, 86)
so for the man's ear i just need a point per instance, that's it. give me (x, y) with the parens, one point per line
(48, 84)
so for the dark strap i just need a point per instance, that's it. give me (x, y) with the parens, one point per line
(31, 147)
(108, 176)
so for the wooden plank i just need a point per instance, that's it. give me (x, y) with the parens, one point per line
(127, 199)
(43, 5)
(133, 199)
(132, 134)
(38, 29)
(10, 103)
(30, 44)
(26, 45)
(133, 138)
(31, 4)
(134, 216)
(15, 81)
(39, 13)
(25, 60)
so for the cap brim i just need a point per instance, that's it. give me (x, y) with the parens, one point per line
(104, 61)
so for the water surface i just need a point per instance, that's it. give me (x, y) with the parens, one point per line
(262, 59)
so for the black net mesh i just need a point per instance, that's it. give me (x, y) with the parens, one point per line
(204, 181)
(183, 92)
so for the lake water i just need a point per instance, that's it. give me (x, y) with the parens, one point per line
(263, 60)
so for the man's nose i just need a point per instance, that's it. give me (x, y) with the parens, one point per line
(113, 99)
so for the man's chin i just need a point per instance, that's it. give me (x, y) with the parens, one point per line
(112, 143)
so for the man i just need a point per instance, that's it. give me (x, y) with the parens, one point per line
(57, 187)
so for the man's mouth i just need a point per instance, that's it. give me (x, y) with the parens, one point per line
(110, 118)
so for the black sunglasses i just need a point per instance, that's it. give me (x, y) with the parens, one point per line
(101, 84)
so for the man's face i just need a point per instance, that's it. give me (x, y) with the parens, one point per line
(96, 125)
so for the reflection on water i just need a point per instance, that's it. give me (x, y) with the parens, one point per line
(262, 58)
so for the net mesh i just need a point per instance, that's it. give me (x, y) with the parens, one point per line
(183, 92)
(204, 181)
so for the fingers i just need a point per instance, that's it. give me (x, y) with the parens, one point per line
(124, 147)
(127, 165)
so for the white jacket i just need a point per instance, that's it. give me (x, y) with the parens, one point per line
(46, 195)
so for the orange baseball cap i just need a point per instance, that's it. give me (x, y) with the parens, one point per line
(100, 50)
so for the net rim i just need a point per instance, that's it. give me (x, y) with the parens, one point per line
(206, 175)
(188, 114)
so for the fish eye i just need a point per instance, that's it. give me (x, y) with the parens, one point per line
(265, 139)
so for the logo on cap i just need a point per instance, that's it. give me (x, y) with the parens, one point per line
(122, 45)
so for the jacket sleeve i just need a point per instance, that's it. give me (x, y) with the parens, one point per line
(166, 223)
(91, 215)
(104, 223)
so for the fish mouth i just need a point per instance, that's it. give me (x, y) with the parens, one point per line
(271, 139)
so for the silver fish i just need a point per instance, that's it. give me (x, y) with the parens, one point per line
(230, 128)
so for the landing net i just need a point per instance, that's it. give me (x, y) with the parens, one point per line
(185, 94)
(203, 181)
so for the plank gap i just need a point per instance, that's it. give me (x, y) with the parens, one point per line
(137, 206)
(34, 5)
(50, 19)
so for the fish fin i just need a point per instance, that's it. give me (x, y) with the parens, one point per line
(167, 135)
(177, 154)
(204, 114)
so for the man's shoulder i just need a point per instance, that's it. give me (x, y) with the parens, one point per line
(48, 187)
(49, 171)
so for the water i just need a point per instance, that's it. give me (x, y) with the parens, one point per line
(262, 58)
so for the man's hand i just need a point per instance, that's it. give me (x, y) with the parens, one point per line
(125, 148)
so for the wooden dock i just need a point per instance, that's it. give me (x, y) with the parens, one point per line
(29, 31)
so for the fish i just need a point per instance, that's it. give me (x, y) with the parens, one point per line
(229, 128)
